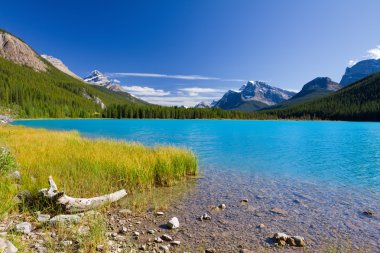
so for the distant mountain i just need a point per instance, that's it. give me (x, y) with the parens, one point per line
(359, 101)
(97, 78)
(59, 65)
(316, 88)
(31, 86)
(253, 96)
(360, 70)
(202, 105)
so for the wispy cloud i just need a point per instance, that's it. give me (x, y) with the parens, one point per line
(182, 77)
(146, 91)
(374, 53)
(187, 101)
(195, 91)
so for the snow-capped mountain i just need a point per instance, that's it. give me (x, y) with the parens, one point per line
(97, 78)
(59, 65)
(205, 104)
(253, 96)
(360, 70)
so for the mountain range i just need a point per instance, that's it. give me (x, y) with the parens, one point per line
(33, 85)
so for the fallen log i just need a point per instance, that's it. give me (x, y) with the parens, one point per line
(75, 205)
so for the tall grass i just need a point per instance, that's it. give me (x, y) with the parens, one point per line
(88, 167)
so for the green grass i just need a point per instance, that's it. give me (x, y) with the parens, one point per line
(89, 167)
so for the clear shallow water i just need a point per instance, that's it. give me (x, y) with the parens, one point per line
(343, 153)
(323, 174)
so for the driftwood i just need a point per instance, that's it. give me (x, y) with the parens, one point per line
(74, 205)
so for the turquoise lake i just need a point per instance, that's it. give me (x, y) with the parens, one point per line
(346, 153)
(324, 175)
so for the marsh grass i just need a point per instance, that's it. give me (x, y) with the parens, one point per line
(85, 167)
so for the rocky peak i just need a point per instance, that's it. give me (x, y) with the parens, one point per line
(324, 83)
(17, 51)
(98, 78)
(360, 70)
(59, 65)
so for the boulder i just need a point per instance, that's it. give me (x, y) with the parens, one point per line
(6, 246)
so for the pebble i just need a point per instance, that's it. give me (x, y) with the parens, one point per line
(151, 231)
(222, 206)
(166, 237)
(165, 248)
(159, 213)
(261, 226)
(66, 243)
(206, 216)
(173, 223)
(175, 243)
(244, 201)
(368, 213)
(15, 175)
(158, 240)
(123, 230)
(100, 247)
(283, 239)
(135, 233)
(210, 250)
(83, 230)
(24, 227)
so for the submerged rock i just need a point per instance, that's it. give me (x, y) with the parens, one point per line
(6, 246)
(173, 223)
(283, 239)
(369, 213)
(277, 210)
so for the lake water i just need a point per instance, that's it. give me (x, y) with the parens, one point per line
(332, 168)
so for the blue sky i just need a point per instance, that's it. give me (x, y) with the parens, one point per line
(182, 51)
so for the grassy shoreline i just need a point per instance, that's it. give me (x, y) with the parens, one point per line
(89, 167)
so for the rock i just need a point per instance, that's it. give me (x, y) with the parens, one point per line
(279, 211)
(282, 239)
(15, 175)
(159, 213)
(222, 206)
(369, 213)
(100, 247)
(143, 247)
(244, 201)
(135, 233)
(175, 243)
(125, 211)
(65, 218)
(123, 230)
(158, 240)
(6, 246)
(261, 226)
(24, 227)
(152, 231)
(173, 223)
(165, 248)
(166, 237)
(210, 250)
(67, 243)
(43, 218)
(299, 240)
(206, 216)
(245, 251)
(83, 230)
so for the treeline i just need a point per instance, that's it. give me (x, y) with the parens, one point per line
(135, 111)
(357, 102)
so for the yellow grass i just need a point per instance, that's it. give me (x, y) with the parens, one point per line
(89, 167)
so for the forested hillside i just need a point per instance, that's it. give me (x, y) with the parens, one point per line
(50, 94)
(357, 102)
